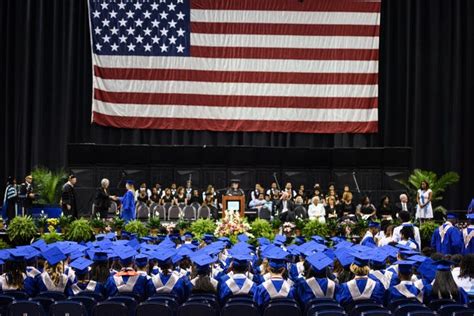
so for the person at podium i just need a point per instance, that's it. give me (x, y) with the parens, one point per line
(235, 189)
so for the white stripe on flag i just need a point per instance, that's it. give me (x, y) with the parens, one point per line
(238, 89)
(235, 113)
(284, 17)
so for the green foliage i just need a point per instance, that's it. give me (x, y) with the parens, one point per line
(97, 222)
(118, 223)
(203, 226)
(48, 184)
(426, 231)
(3, 244)
(183, 224)
(360, 227)
(136, 227)
(154, 223)
(22, 230)
(41, 221)
(332, 226)
(262, 228)
(51, 237)
(437, 185)
(276, 223)
(65, 221)
(80, 230)
(314, 227)
(300, 223)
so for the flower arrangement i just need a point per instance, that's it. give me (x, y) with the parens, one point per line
(52, 223)
(288, 228)
(170, 227)
(232, 225)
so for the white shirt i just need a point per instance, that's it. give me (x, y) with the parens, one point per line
(466, 283)
(317, 212)
(396, 233)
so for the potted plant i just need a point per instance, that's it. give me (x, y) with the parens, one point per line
(52, 236)
(118, 224)
(2, 224)
(203, 226)
(4, 245)
(276, 225)
(52, 223)
(22, 230)
(97, 224)
(315, 228)
(80, 230)
(136, 227)
(183, 225)
(64, 222)
(262, 228)
(299, 225)
(48, 185)
(154, 225)
(426, 232)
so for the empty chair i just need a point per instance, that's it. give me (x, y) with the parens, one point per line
(130, 302)
(436, 304)
(282, 309)
(240, 309)
(196, 309)
(174, 212)
(151, 308)
(264, 213)
(204, 212)
(159, 211)
(45, 302)
(22, 308)
(57, 296)
(408, 308)
(18, 295)
(143, 212)
(87, 301)
(189, 212)
(450, 309)
(68, 308)
(110, 308)
(5, 300)
(96, 296)
(360, 308)
(395, 303)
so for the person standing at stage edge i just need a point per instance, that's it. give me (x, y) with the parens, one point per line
(10, 199)
(68, 197)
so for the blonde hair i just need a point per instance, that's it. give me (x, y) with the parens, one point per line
(266, 267)
(54, 272)
(359, 271)
(347, 196)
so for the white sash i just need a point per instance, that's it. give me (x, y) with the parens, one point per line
(354, 289)
(125, 287)
(32, 272)
(4, 286)
(267, 276)
(50, 284)
(270, 287)
(444, 229)
(318, 291)
(382, 278)
(236, 290)
(367, 235)
(467, 237)
(89, 288)
(166, 288)
(404, 291)
(300, 267)
(213, 282)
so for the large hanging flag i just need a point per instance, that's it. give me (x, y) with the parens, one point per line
(236, 65)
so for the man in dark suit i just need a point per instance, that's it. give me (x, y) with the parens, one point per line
(68, 197)
(285, 208)
(27, 194)
(404, 205)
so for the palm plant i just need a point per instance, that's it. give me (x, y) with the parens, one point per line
(48, 184)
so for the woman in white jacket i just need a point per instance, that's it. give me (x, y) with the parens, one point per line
(316, 210)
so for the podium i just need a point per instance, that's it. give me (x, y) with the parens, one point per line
(234, 203)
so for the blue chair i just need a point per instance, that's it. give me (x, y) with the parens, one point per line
(392, 305)
(240, 309)
(171, 302)
(197, 309)
(68, 308)
(450, 309)
(279, 308)
(22, 308)
(205, 299)
(5, 300)
(408, 308)
(133, 295)
(436, 304)
(18, 295)
(377, 313)
(466, 312)
(316, 308)
(151, 308)
(329, 313)
(361, 308)
(423, 313)
(240, 298)
(130, 302)
(46, 302)
(350, 306)
(88, 302)
(110, 308)
(97, 296)
(57, 296)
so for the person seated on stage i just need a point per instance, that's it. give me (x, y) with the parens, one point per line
(201, 279)
(316, 210)
(317, 192)
(300, 209)
(167, 197)
(143, 194)
(174, 189)
(235, 189)
(407, 234)
(302, 193)
(180, 197)
(447, 239)
(406, 288)
(331, 208)
(365, 209)
(127, 280)
(285, 208)
(53, 278)
(254, 193)
(385, 211)
(166, 281)
(316, 283)
(84, 282)
(468, 234)
(444, 285)
(346, 207)
(361, 287)
(195, 198)
(155, 196)
(258, 203)
(464, 275)
(237, 281)
(369, 237)
(289, 189)
(331, 194)
(188, 189)
(404, 205)
(273, 189)
(14, 277)
(276, 286)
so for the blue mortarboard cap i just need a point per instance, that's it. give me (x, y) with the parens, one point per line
(53, 255)
(405, 266)
(319, 261)
(408, 253)
(99, 256)
(451, 216)
(110, 236)
(145, 240)
(444, 265)
(241, 258)
(131, 182)
(181, 253)
(141, 260)
(188, 235)
(277, 258)
(99, 237)
(374, 225)
(330, 253)
(343, 244)
(427, 269)
(417, 258)
(81, 265)
(190, 246)
(299, 240)
(16, 255)
(338, 239)
(379, 258)
(279, 239)
(318, 239)
(164, 255)
(134, 243)
(208, 238)
(243, 238)
(294, 250)
(263, 241)
(125, 254)
(76, 254)
(39, 244)
(202, 261)
(361, 249)
(470, 216)
(361, 258)
(4, 254)
(391, 251)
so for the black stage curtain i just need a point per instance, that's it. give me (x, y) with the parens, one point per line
(426, 90)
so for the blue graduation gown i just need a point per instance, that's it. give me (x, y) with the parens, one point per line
(29, 286)
(296, 270)
(304, 293)
(282, 287)
(463, 297)
(90, 286)
(394, 291)
(469, 247)
(126, 283)
(344, 296)
(368, 240)
(452, 242)
(159, 284)
(235, 286)
(128, 206)
(44, 283)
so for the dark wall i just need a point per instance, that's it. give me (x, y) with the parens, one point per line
(426, 86)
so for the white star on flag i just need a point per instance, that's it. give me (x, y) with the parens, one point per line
(180, 48)
(163, 15)
(164, 48)
(98, 46)
(155, 23)
(114, 47)
(139, 23)
(180, 32)
(154, 6)
(171, 6)
(96, 14)
(106, 38)
(113, 14)
(147, 31)
(130, 30)
(180, 15)
(104, 5)
(130, 14)
(139, 39)
(172, 24)
(155, 39)
(123, 39)
(121, 6)
(138, 6)
(123, 22)
(131, 47)
(114, 30)
(97, 30)
(105, 22)
(164, 32)
(147, 47)
(147, 14)
(172, 39)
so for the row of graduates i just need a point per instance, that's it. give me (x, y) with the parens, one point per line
(303, 271)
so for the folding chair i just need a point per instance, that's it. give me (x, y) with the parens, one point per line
(88, 302)
(96, 296)
(240, 309)
(204, 212)
(68, 308)
(360, 308)
(174, 212)
(423, 313)
(466, 312)
(5, 300)
(151, 308)
(282, 309)
(143, 212)
(264, 213)
(189, 212)
(130, 302)
(160, 210)
(45, 302)
(409, 308)
(197, 309)
(436, 304)
(110, 308)
(18, 295)
(450, 309)
(22, 308)
(392, 305)
(57, 296)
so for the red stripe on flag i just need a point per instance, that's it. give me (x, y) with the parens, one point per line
(234, 101)
(237, 76)
(234, 125)
(289, 5)
(284, 53)
(285, 29)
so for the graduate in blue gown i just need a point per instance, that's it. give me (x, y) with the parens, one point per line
(444, 286)
(276, 286)
(468, 236)
(406, 288)
(237, 281)
(52, 278)
(369, 238)
(378, 272)
(316, 283)
(128, 202)
(361, 287)
(13, 277)
(201, 278)
(447, 239)
(84, 283)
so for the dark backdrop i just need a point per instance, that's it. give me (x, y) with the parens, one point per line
(426, 86)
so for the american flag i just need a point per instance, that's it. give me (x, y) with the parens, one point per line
(236, 65)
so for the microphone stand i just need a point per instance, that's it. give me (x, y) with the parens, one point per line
(355, 180)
